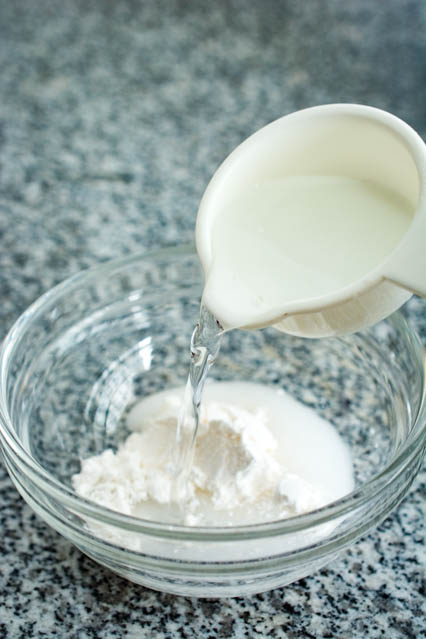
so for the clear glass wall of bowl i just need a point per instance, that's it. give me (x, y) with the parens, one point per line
(76, 362)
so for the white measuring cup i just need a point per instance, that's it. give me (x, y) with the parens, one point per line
(352, 141)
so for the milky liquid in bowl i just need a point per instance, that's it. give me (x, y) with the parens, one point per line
(259, 456)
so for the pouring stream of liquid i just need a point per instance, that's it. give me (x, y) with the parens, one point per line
(205, 346)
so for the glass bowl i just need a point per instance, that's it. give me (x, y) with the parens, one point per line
(79, 357)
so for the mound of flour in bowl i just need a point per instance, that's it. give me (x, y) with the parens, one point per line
(259, 456)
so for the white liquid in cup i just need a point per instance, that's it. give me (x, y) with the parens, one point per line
(285, 240)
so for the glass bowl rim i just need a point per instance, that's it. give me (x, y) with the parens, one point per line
(86, 508)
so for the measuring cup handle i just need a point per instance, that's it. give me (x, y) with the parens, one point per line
(407, 265)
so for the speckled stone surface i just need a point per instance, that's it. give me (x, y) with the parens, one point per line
(113, 115)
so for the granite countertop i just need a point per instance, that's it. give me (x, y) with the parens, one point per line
(113, 116)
